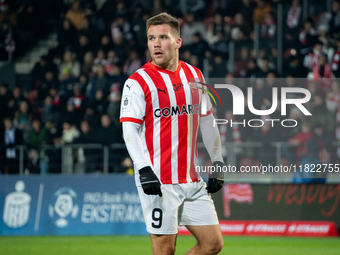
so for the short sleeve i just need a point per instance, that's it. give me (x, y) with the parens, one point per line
(133, 102)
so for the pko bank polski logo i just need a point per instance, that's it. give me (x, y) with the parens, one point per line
(64, 207)
(17, 207)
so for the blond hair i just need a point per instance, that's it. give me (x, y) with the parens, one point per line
(163, 18)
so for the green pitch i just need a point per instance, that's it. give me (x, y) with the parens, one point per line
(140, 245)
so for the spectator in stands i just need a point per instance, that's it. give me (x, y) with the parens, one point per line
(260, 11)
(271, 82)
(7, 41)
(292, 66)
(221, 46)
(268, 28)
(320, 114)
(5, 98)
(13, 137)
(292, 25)
(83, 80)
(120, 46)
(35, 139)
(91, 116)
(82, 47)
(307, 34)
(8, 13)
(87, 64)
(39, 70)
(50, 81)
(258, 93)
(333, 98)
(132, 63)
(297, 148)
(17, 97)
(218, 26)
(319, 151)
(312, 58)
(70, 63)
(100, 102)
(247, 9)
(121, 26)
(69, 133)
(231, 133)
(106, 44)
(100, 59)
(323, 36)
(112, 61)
(146, 5)
(67, 38)
(334, 22)
(53, 137)
(78, 99)
(76, 14)
(241, 67)
(72, 114)
(264, 68)
(218, 67)
(107, 133)
(196, 7)
(322, 71)
(49, 111)
(118, 76)
(336, 59)
(96, 21)
(92, 34)
(67, 83)
(23, 118)
(252, 68)
(265, 135)
(59, 99)
(87, 137)
(191, 27)
(240, 30)
(100, 81)
(113, 108)
(200, 48)
(139, 26)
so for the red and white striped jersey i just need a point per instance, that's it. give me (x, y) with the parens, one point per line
(169, 111)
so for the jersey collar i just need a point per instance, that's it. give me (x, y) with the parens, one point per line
(149, 64)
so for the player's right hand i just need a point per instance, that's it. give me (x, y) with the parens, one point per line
(149, 181)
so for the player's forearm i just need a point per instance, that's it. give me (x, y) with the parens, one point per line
(211, 138)
(134, 144)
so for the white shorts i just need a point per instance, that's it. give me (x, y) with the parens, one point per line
(185, 204)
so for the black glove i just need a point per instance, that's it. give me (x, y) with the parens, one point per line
(149, 181)
(216, 179)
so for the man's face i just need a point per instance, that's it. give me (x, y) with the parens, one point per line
(163, 44)
(105, 121)
(8, 124)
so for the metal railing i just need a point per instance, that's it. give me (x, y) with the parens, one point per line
(103, 157)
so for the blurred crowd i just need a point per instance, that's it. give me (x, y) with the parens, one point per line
(74, 92)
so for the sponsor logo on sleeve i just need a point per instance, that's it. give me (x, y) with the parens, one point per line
(126, 104)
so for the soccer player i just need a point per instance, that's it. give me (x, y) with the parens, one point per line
(160, 113)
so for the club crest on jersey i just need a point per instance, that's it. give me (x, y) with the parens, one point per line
(177, 87)
(126, 103)
(176, 110)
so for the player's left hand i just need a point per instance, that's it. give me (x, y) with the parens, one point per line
(216, 179)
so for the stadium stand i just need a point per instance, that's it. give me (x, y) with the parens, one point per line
(85, 50)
